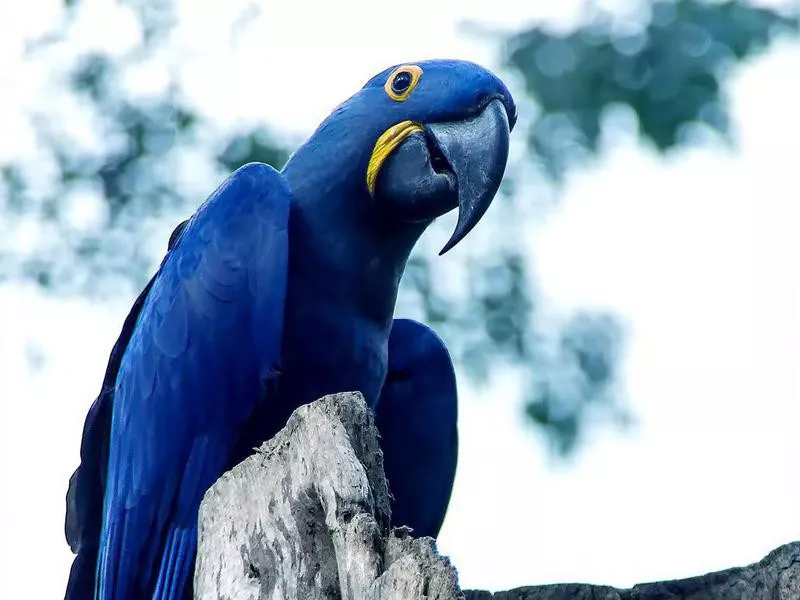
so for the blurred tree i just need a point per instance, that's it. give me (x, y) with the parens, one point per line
(667, 61)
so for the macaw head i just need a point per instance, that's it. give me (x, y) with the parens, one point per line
(417, 141)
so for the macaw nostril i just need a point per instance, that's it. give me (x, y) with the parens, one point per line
(438, 161)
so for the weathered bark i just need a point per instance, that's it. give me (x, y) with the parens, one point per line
(307, 518)
(776, 577)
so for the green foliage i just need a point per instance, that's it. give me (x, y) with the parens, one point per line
(669, 65)
(581, 378)
(133, 170)
(255, 146)
(670, 69)
(570, 372)
(493, 322)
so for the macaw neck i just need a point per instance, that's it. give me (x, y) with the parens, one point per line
(343, 245)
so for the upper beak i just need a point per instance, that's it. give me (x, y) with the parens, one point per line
(476, 151)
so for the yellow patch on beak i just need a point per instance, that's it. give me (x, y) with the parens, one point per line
(386, 144)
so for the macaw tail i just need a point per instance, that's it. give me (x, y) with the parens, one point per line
(82, 574)
(85, 499)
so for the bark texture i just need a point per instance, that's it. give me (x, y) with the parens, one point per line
(307, 518)
(776, 577)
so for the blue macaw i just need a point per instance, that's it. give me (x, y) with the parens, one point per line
(280, 289)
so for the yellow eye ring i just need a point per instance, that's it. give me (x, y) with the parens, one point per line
(402, 81)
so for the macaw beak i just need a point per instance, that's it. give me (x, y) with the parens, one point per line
(476, 151)
(421, 171)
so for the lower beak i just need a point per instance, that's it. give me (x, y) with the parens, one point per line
(476, 151)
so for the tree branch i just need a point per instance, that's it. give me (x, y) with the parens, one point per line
(307, 518)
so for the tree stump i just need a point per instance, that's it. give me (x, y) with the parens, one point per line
(307, 518)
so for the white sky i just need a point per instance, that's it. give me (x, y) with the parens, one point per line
(695, 252)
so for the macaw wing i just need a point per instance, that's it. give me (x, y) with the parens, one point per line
(87, 484)
(84, 501)
(206, 341)
(416, 416)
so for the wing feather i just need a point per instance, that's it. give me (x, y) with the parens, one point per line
(208, 334)
(417, 415)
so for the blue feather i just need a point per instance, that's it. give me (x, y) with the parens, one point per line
(280, 289)
(417, 419)
(189, 379)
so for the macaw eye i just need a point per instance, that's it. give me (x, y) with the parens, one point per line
(402, 81)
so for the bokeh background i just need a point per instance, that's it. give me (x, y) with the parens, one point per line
(625, 319)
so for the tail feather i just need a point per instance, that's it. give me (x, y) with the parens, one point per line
(176, 564)
(85, 500)
(82, 575)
